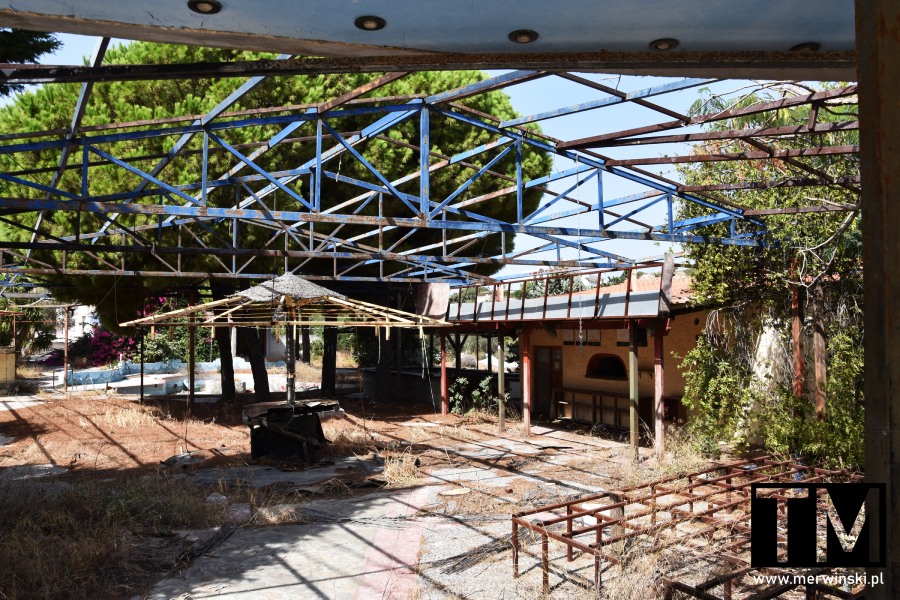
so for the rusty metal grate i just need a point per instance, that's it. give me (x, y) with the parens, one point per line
(707, 513)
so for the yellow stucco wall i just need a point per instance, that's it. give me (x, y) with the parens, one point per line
(7, 365)
(680, 339)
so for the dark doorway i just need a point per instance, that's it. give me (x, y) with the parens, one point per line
(547, 377)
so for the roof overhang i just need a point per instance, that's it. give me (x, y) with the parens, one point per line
(625, 31)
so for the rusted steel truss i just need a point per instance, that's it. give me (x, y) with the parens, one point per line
(705, 513)
(385, 228)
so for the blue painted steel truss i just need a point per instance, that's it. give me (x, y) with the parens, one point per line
(213, 206)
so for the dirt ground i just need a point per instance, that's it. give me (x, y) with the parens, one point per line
(465, 471)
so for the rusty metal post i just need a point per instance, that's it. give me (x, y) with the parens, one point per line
(878, 56)
(515, 549)
(545, 561)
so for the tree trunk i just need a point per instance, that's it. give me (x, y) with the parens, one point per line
(223, 341)
(257, 363)
(383, 387)
(329, 361)
(306, 352)
(796, 334)
(820, 352)
(226, 362)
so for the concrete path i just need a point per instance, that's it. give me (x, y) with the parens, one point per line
(18, 402)
(368, 550)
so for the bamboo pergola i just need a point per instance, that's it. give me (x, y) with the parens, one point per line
(287, 300)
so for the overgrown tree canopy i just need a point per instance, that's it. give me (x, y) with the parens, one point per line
(740, 383)
(19, 46)
(50, 107)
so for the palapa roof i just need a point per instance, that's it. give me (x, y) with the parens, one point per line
(287, 299)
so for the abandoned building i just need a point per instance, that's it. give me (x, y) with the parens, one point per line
(392, 153)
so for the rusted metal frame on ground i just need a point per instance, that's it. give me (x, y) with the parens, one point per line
(752, 470)
(734, 470)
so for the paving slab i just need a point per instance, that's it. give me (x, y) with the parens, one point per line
(18, 402)
(370, 550)
(260, 475)
(22, 472)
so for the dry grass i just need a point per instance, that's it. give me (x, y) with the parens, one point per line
(308, 373)
(345, 360)
(638, 576)
(401, 470)
(346, 437)
(90, 540)
(124, 418)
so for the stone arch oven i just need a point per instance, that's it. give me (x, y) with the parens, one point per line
(606, 366)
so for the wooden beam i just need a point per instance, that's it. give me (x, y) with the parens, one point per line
(878, 44)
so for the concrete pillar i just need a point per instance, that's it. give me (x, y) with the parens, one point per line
(525, 359)
(878, 49)
(633, 375)
(658, 386)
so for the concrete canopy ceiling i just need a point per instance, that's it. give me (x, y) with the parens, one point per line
(457, 26)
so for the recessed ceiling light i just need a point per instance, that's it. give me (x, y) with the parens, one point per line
(523, 36)
(807, 47)
(205, 7)
(370, 23)
(664, 44)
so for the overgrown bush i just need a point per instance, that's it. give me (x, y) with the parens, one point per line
(465, 398)
(730, 405)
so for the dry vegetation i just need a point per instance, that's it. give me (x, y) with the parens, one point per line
(97, 538)
(109, 527)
